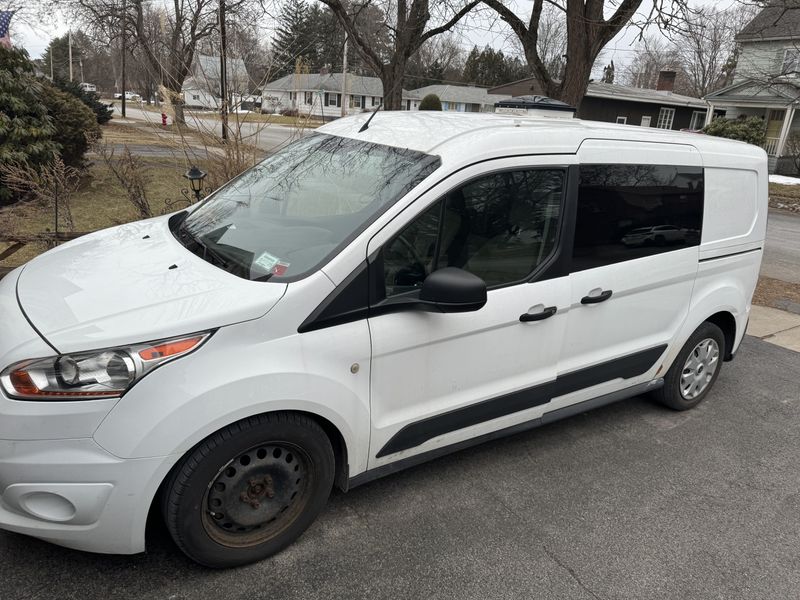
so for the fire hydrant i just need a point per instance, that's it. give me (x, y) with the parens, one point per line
(164, 120)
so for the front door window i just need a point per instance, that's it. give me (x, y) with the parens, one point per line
(501, 227)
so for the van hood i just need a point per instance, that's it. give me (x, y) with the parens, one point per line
(133, 283)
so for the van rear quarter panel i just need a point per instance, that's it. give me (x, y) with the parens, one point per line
(732, 241)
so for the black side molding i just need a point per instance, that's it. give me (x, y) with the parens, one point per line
(417, 433)
(702, 260)
(545, 419)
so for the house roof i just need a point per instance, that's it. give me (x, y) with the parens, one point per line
(329, 82)
(209, 67)
(634, 94)
(460, 93)
(625, 93)
(780, 20)
(756, 92)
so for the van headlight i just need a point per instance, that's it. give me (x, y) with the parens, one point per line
(106, 373)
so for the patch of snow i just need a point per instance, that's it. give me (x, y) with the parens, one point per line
(783, 180)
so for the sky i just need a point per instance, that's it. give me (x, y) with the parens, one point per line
(480, 32)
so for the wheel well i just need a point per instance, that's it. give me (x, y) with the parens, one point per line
(727, 323)
(341, 477)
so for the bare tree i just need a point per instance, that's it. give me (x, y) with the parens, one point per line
(588, 31)
(706, 45)
(408, 29)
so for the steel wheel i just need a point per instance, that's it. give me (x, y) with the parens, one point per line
(699, 368)
(250, 489)
(257, 494)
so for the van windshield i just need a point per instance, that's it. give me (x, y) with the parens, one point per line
(288, 214)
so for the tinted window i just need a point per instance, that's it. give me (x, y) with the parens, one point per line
(631, 211)
(500, 227)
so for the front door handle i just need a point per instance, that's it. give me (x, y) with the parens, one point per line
(540, 316)
(602, 297)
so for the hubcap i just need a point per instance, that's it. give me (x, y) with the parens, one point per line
(699, 369)
(257, 494)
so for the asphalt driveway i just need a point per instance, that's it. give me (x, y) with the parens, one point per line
(629, 501)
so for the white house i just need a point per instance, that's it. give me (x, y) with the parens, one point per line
(202, 89)
(461, 98)
(320, 94)
(767, 80)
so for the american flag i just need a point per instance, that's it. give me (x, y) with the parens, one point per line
(5, 21)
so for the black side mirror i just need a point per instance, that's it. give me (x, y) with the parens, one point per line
(452, 290)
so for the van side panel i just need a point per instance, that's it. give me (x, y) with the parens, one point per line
(732, 243)
(731, 208)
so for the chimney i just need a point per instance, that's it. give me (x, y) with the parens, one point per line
(666, 81)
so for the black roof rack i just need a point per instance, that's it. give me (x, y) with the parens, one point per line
(535, 102)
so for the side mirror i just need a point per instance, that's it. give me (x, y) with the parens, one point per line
(452, 290)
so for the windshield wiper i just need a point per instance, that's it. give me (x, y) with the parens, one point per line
(187, 238)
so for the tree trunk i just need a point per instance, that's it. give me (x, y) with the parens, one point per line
(573, 88)
(174, 97)
(392, 79)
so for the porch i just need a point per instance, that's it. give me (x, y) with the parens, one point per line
(775, 105)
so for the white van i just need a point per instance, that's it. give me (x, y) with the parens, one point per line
(359, 302)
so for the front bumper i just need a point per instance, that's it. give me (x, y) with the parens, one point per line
(75, 494)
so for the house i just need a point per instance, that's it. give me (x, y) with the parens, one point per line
(615, 103)
(201, 90)
(461, 98)
(767, 79)
(320, 94)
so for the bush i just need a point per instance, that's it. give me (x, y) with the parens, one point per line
(26, 129)
(102, 111)
(76, 125)
(430, 102)
(290, 112)
(750, 129)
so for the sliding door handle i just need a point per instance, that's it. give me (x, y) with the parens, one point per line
(602, 297)
(540, 316)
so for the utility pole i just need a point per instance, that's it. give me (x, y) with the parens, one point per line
(69, 44)
(124, 50)
(51, 63)
(344, 77)
(223, 70)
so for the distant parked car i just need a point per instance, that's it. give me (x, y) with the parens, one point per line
(88, 87)
(658, 235)
(129, 96)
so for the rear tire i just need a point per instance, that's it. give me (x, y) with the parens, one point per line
(249, 490)
(695, 369)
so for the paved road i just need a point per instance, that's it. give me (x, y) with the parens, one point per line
(631, 501)
(782, 251)
(264, 135)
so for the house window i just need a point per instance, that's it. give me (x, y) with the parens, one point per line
(356, 102)
(622, 120)
(309, 97)
(374, 101)
(665, 118)
(791, 61)
(698, 119)
(333, 99)
(646, 121)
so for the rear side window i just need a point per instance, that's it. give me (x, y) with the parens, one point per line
(631, 211)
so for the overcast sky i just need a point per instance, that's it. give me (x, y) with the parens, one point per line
(479, 32)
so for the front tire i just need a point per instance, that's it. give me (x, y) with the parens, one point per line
(249, 490)
(695, 369)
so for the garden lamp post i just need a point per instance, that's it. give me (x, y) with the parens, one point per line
(195, 177)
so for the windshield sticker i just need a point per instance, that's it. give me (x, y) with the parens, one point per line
(280, 268)
(266, 262)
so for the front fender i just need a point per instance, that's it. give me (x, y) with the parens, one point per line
(233, 377)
